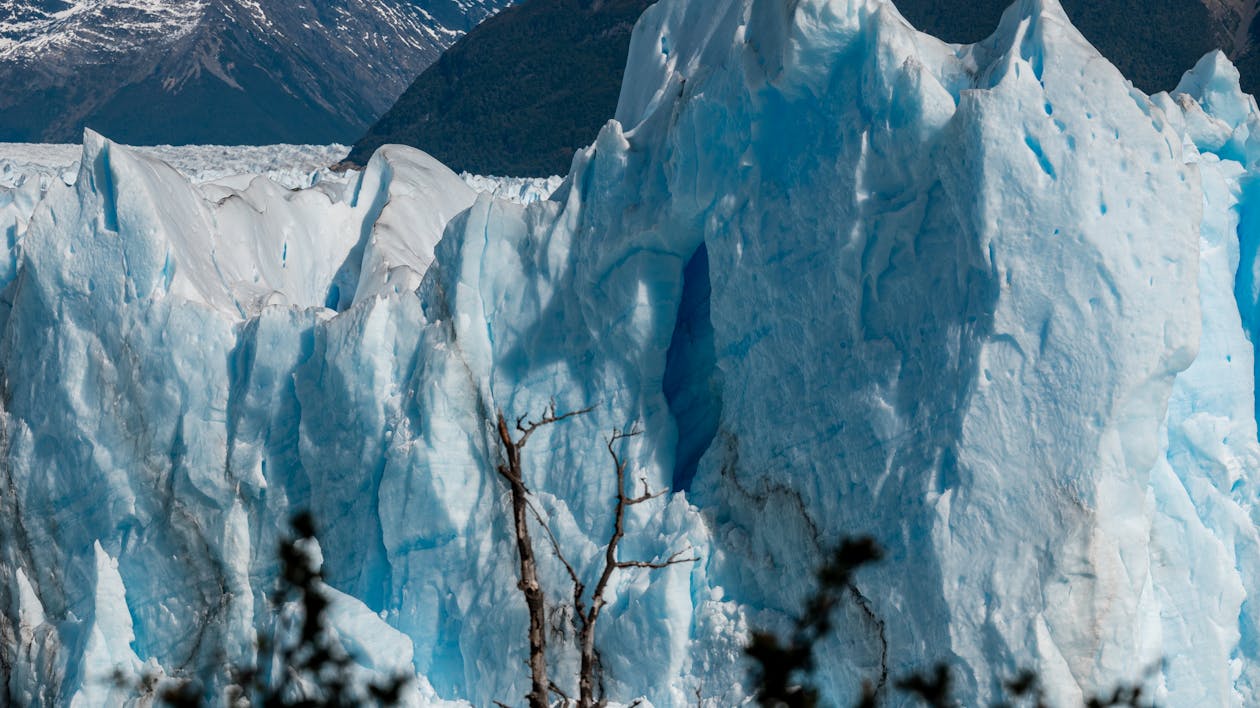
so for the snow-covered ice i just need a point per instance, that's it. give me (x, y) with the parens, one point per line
(291, 166)
(517, 189)
(988, 304)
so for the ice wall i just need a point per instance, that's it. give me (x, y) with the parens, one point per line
(986, 303)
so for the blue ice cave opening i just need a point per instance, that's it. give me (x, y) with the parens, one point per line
(333, 300)
(693, 382)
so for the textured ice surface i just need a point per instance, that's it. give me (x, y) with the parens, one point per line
(986, 303)
(517, 189)
(293, 166)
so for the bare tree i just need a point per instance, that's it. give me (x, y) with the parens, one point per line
(589, 615)
(586, 609)
(531, 588)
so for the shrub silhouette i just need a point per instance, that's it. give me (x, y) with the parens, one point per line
(314, 671)
(781, 670)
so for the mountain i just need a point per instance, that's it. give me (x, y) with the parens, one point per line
(520, 93)
(988, 304)
(215, 71)
(459, 111)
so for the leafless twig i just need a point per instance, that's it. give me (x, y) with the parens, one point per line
(586, 608)
(535, 596)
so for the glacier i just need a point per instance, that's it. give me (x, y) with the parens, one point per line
(292, 166)
(988, 304)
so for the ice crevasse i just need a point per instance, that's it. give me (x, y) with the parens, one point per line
(987, 303)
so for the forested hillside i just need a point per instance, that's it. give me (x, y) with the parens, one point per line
(519, 93)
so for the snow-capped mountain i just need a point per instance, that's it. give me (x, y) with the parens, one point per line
(216, 71)
(989, 304)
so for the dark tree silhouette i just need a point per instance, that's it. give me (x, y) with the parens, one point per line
(314, 671)
(781, 670)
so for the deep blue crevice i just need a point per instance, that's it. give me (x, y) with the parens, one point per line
(1247, 284)
(1046, 166)
(693, 383)
(103, 183)
(333, 300)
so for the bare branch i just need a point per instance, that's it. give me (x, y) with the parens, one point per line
(585, 616)
(619, 435)
(532, 590)
(506, 473)
(647, 495)
(510, 468)
(555, 545)
(633, 432)
(549, 417)
(674, 559)
(556, 690)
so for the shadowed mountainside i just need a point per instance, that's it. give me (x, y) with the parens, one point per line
(519, 93)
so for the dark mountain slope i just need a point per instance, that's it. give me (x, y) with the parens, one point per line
(519, 93)
(215, 71)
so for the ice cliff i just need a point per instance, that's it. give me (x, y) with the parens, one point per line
(988, 304)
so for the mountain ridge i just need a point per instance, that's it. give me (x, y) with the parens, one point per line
(216, 71)
(458, 111)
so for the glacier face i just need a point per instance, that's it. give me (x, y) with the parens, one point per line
(987, 303)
